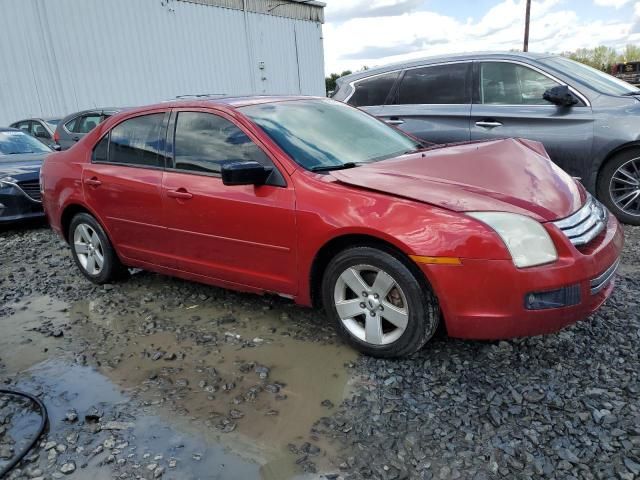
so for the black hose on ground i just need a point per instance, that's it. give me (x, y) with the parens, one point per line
(44, 417)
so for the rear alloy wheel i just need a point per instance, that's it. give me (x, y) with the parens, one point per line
(92, 250)
(377, 303)
(619, 186)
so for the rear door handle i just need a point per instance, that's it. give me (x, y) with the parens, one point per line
(75, 139)
(93, 182)
(394, 121)
(181, 194)
(488, 124)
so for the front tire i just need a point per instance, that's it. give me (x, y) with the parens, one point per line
(619, 186)
(92, 251)
(378, 304)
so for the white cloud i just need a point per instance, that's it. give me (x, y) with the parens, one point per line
(376, 40)
(611, 3)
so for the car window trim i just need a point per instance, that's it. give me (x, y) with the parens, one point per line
(165, 122)
(171, 132)
(401, 71)
(476, 75)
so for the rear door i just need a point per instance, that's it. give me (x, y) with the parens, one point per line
(123, 185)
(433, 102)
(508, 103)
(244, 235)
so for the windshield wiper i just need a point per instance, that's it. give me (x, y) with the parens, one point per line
(328, 168)
(629, 94)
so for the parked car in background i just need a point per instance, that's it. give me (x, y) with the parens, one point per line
(588, 121)
(75, 126)
(317, 201)
(627, 71)
(41, 128)
(21, 156)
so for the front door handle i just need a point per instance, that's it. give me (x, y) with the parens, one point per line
(93, 182)
(76, 138)
(488, 124)
(394, 121)
(181, 194)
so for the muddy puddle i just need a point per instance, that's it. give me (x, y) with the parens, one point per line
(217, 389)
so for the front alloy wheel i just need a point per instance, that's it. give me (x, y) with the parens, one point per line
(619, 186)
(371, 304)
(624, 187)
(379, 302)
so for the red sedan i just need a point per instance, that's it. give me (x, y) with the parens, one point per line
(319, 202)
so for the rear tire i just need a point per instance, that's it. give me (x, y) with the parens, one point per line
(92, 251)
(377, 303)
(619, 186)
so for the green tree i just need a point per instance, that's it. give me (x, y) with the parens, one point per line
(631, 53)
(330, 81)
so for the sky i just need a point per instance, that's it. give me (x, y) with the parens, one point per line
(377, 32)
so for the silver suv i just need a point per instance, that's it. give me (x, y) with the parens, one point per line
(588, 121)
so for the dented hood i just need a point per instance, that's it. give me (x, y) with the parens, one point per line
(509, 175)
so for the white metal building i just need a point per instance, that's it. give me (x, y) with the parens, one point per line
(61, 56)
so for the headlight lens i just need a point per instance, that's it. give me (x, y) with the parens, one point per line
(527, 240)
(7, 182)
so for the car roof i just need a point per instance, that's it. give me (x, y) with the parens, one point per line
(91, 110)
(233, 101)
(457, 57)
(10, 129)
(46, 119)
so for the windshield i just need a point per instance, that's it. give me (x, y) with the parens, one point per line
(600, 81)
(322, 134)
(14, 142)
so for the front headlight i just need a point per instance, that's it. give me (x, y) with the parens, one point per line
(527, 240)
(7, 182)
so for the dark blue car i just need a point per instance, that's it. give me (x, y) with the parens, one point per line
(21, 156)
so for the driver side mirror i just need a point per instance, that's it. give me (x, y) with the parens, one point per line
(560, 96)
(56, 147)
(244, 173)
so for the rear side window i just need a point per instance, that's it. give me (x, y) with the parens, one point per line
(138, 141)
(204, 141)
(439, 84)
(101, 149)
(373, 91)
(87, 123)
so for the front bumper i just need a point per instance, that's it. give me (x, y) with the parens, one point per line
(15, 206)
(485, 299)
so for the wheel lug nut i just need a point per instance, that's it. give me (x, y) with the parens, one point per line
(381, 308)
(373, 314)
(364, 294)
(362, 305)
(376, 296)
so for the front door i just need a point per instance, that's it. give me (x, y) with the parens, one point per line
(509, 103)
(123, 184)
(240, 235)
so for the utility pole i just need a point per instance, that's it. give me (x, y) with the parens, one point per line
(526, 27)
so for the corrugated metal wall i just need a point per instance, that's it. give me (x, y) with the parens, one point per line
(68, 55)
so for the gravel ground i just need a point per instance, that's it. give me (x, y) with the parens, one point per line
(558, 406)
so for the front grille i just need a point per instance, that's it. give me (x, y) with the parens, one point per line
(602, 280)
(31, 189)
(586, 224)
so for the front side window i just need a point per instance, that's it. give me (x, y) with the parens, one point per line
(204, 141)
(325, 134)
(40, 132)
(439, 84)
(373, 91)
(138, 141)
(503, 83)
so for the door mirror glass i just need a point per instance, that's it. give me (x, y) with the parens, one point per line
(244, 173)
(560, 95)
